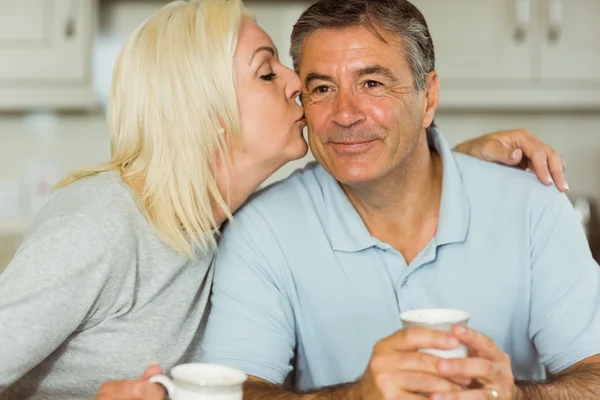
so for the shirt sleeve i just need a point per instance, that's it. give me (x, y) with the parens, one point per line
(565, 286)
(50, 288)
(251, 324)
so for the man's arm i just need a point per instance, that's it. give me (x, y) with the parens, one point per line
(580, 382)
(258, 389)
(396, 371)
(565, 303)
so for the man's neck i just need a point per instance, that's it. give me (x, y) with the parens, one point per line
(402, 208)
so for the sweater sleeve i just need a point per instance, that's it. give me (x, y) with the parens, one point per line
(59, 281)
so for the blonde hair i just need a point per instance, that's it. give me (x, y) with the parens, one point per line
(172, 114)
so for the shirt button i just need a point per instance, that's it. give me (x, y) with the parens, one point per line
(404, 284)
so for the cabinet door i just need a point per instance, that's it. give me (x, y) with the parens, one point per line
(477, 40)
(570, 35)
(44, 40)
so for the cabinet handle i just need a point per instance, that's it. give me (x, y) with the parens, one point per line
(71, 22)
(523, 17)
(555, 19)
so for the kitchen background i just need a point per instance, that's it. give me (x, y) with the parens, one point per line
(503, 64)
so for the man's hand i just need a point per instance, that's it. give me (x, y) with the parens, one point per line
(134, 389)
(521, 149)
(398, 371)
(487, 365)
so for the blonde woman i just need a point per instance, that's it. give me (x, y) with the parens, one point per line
(114, 273)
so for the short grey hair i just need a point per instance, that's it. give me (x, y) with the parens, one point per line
(399, 17)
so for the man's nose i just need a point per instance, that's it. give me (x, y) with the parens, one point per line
(347, 110)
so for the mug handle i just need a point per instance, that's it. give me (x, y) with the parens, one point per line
(165, 382)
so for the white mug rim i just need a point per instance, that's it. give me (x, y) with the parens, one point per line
(238, 377)
(449, 316)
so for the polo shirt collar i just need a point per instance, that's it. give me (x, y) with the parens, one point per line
(348, 232)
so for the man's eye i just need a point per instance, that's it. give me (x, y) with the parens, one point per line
(372, 84)
(321, 90)
(268, 77)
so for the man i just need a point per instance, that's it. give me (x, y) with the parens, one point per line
(313, 273)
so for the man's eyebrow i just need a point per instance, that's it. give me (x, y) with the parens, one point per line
(369, 70)
(314, 76)
(376, 70)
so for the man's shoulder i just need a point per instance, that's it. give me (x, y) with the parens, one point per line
(302, 189)
(276, 216)
(500, 182)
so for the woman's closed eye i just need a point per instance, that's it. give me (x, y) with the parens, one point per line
(268, 77)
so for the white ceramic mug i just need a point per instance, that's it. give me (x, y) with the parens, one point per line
(442, 319)
(203, 382)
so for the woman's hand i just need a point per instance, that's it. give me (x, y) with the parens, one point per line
(519, 148)
(134, 389)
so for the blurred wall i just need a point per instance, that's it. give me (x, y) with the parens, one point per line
(67, 141)
(76, 140)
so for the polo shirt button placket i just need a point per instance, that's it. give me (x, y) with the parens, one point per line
(404, 283)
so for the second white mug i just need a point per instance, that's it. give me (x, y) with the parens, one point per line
(203, 382)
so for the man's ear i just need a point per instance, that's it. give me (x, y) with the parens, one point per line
(431, 97)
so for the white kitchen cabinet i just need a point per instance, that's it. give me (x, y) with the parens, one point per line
(570, 37)
(516, 54)
(469, 34)
(45, 54)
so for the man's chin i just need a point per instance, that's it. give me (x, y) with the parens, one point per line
(354, 177)
(352, 170)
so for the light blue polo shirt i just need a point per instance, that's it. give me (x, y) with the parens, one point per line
(301, 285)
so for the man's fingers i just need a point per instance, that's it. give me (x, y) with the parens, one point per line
(461, 381)
(424, 363)
(414, 361)
(482, 345)
(419, 362)
(413, 339)
(479, 394)
(483, 370)
(415, 382)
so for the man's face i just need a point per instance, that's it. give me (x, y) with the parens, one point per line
(363, 113)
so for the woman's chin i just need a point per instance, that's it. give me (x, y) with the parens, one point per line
(300, 150)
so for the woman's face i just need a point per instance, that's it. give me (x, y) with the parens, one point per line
(272, 121)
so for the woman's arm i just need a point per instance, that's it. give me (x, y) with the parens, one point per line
(519, 148)
(56, 282)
